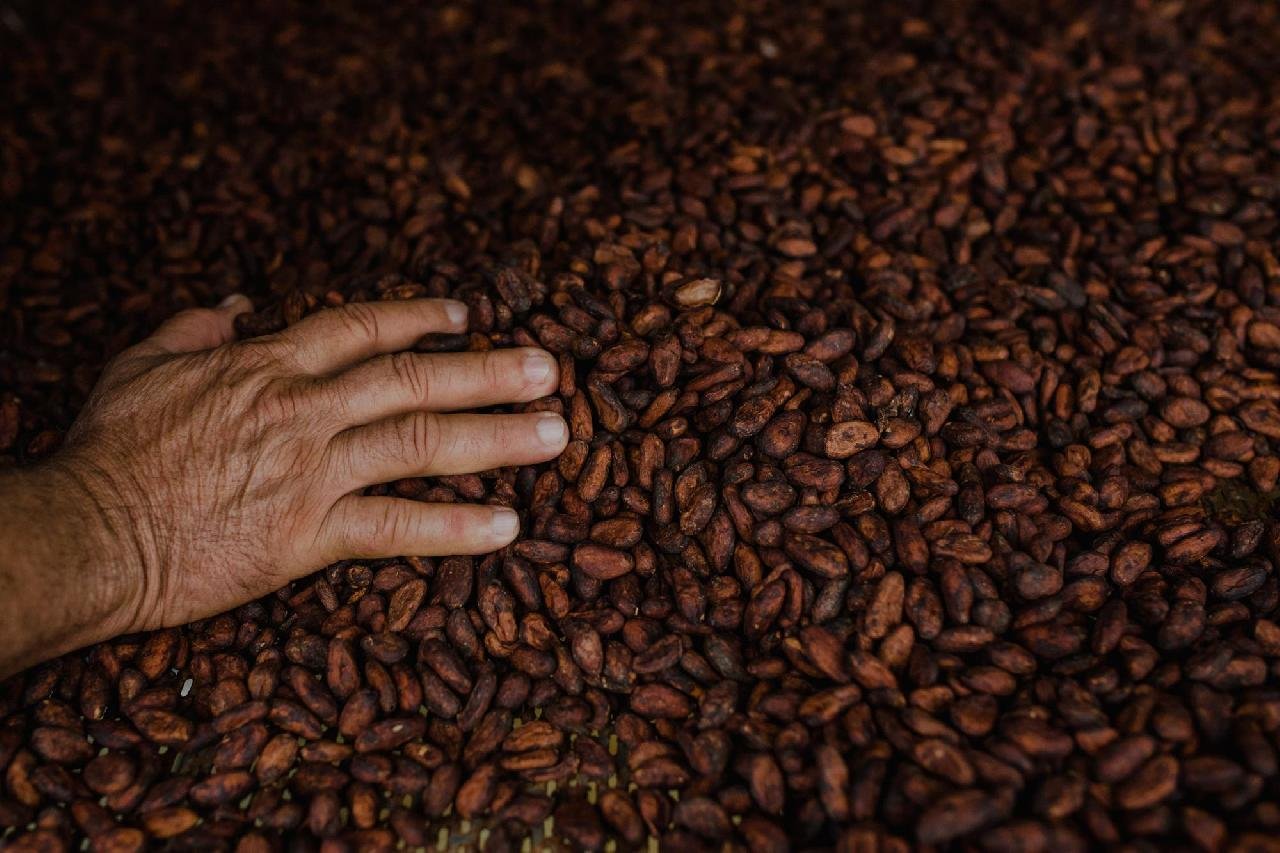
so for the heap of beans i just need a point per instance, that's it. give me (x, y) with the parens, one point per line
(920, 361)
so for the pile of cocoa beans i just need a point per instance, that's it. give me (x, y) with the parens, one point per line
(920, 362)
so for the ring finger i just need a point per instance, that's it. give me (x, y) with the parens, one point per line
(440, 382)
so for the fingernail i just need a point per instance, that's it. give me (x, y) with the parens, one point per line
(551, 429)
(505, 524)
(456, 312)
(537, 366)
(232, 300)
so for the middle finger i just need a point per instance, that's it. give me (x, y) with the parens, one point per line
(426, 444)
(440, 382)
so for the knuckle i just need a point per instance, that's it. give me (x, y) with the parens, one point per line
(286, 400)
(384, 526)
(412, 374)
(422, 438)
(395, 525)
(360, 320)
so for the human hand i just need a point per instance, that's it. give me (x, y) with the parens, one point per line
(203, 473)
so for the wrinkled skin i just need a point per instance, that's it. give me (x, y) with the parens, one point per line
(203, 472)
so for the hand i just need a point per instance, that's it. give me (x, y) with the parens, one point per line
(203, 473)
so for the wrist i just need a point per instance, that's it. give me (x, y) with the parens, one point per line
(108, 556)
(72, 575)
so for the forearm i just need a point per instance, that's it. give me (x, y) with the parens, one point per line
(56, 589)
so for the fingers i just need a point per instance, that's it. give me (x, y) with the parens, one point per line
(339, 337)
(422, 444)
(197, 328)
(374, 527)
(440, 382)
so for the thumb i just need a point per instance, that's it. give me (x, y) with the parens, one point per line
(199, 328)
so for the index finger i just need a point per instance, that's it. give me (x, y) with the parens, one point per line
(336, 338)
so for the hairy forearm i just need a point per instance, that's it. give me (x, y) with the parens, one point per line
(55, 594)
